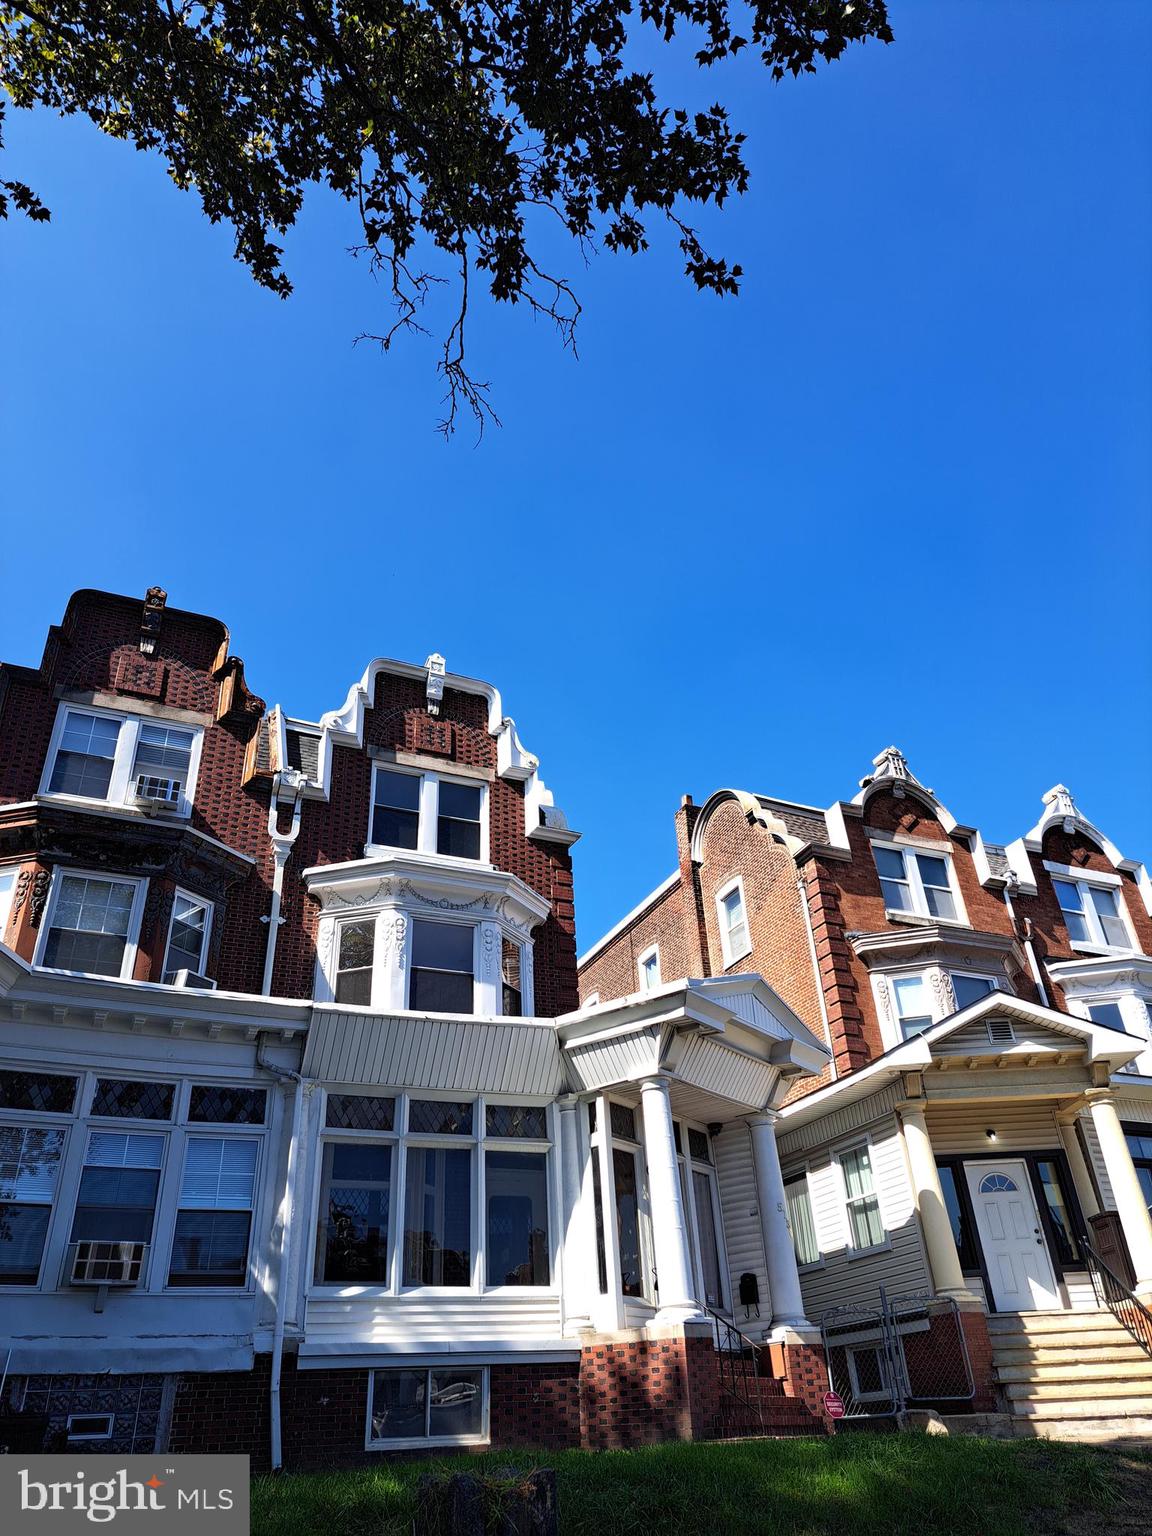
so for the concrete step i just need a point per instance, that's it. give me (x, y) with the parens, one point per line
(1075, 1338)
(1082, 1368)
(1128, 1431)
(1111, 1407)
(1051, 1322)
(1089, 1390)
(1119, 1352)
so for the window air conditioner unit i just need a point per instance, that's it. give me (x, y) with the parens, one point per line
(157, 794)
(193, 979)
(96, 1262)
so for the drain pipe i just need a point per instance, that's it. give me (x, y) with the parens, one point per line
(292, 781)
(1012, 883)
(803, 894)
(286, 1286)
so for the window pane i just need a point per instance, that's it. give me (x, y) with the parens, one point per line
(970, 989)
(733, 908)
(913, 1007)
(699, 1147)
(360, 1112)
(628, 1223)
(933, 871)
(42, 1091)
(163, 760)
(440, 992)
(116, 1205)
(399, 1405)
(438, 1216)
(598, 1201)
(437, 1117)
(219, 1173)
(442, 946)
(800, 1220)
(186, 939)
(1107, 905)
(117, 1096)
(461, 839)
(85, 758)
(955, 1210)
(1071, 905)
(867, 1228)
(527, 1120)
(1107, 1014)
(1058, 1210)
(456, 1403)
(889, 863)
(623, 1120)
(709, 1246)
(89, 926)
(227, 1106)
(512, 998)
(355, 988)
(857, 1167)
(516, 1185)
(401, 791)
(29, 1161)
(940, 902)
(650, 971)
(23, 1229)
(396, 812)
(355, 1195)
(210, 1248)
(354, 963)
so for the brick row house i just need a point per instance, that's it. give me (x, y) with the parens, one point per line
(307, 1145)
(981, 1130)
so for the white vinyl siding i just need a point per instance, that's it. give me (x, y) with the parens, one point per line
(743, 1237)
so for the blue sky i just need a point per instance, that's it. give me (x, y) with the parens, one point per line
(897, 492)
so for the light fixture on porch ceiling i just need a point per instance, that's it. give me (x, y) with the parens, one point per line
(991, 1135)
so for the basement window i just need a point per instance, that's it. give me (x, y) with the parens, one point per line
(428, 1407)
(90, 1426)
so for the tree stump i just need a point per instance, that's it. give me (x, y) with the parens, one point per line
(510, 1503)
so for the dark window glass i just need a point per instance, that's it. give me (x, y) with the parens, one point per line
(438, 1216)
(43, 1091)
(90, 921)
(399, 1405)
(628, 1222)
(29, 1163)
(434, 1117)
(527, 1120)
(1107, 1014)
(709, 1240)
(85, 756)
(598, 1198)
(442, 979)
(354, 963)
(699, 1146)
(512, 1002)
(210, 1246)
(396, 811)
(355, 1193)
(360, 1112)
(427, 1405)
(961, 1230)
(458, 824)
(227, 1106)
(128, 1100)
(623, 1121)
(969, 989)
(117, 1198)
(516, 1185)
(1059, 1210)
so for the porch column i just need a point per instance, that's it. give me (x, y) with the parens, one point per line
(1081, 1177)
(779, 1252)
(579, 1237)
(943, 1260)
(669, 1227)
(1126, 1191)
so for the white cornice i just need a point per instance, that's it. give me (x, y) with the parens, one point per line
(410, 880)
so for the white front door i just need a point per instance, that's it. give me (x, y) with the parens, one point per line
(1015, 1251)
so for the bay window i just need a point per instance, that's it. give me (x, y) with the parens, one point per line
(414, 1190)
(1092, 914)
(970, 989)
(123, 759)
(915, 882)
(355, 944)
(913, 1005)
(92, 925)
(443, 968)
(29, 1164)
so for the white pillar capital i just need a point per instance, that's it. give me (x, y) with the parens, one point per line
(678, 1302)
(779, 1253)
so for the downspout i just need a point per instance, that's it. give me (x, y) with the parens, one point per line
(1012, 883)
(803, 894)
(282, 842)
(286, 1286)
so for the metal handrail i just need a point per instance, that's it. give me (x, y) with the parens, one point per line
(738, 1362)
(1128, 1310)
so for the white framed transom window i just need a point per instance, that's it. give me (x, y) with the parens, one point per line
(919, 882)
(123, 759)
(428, 812)
(1093, 912)
(733, 915)
(92, 924)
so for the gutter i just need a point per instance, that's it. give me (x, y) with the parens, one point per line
(286, 1284)
(282, 843)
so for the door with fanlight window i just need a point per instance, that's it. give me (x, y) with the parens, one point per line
(1016, 1254)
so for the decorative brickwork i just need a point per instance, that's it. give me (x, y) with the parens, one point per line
(803, 1372)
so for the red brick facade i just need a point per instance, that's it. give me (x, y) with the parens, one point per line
(94, 656)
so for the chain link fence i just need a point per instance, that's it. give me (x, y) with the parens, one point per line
(904, 1352)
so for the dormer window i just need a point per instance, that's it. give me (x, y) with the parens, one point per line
(428, 812)
(1092, 914)
(123, 760)
(915, 882)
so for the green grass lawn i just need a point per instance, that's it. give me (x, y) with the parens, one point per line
(852, 1485)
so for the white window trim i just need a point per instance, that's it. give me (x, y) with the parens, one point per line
(1083, 880)
(477, 959)
(692, 1165)
(200, 1130)
(9, 872)
(642, 959)
(798, 1176)
(591, 1001)
(884, 1393)
(603, 1143)
(432, 1440)
(851, 1251)
(83, 1439)
(429, 814)
(916, 884)
(209, 918)
(131, 939)
(729, 955)
(120, 784)
(399, 1138)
